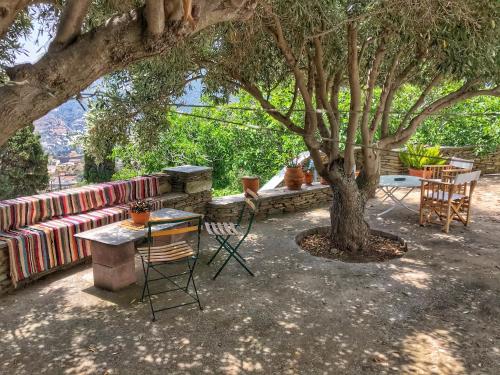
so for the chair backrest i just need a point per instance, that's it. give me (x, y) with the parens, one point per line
(461, 163)
(252, 203)
(182, 225)
(464, 178)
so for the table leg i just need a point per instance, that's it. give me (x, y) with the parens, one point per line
(113, 266)
(396, 201)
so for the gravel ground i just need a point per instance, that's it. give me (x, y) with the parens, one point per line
(434, 311)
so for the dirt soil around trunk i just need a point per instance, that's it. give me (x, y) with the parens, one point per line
(434, 311)
(379, 249)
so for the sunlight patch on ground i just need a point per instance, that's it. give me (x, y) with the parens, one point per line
(412, 277)
(432, 353)
(233, 365)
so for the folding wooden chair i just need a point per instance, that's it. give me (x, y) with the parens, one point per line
(179, 252)
(224, 231)
(447, 200)
(448, 171)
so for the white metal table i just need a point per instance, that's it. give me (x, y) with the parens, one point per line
(390, 184)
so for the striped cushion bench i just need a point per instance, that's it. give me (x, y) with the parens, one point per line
(39, 230)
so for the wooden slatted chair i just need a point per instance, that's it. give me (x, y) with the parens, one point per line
(447, 201)
(224, 231)
(179, 252)
(448, 171)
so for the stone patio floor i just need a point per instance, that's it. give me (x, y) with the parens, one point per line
(434, 311)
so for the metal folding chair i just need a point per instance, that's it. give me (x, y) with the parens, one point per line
(224, 231)
(179, 252)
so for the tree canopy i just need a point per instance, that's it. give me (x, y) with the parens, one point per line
(92, 38)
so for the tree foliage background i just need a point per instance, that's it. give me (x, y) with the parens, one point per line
(232, 150)
(23, 165)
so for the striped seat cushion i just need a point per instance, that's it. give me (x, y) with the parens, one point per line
(222, 229)
(166, 253)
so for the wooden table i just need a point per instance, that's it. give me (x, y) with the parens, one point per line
(113, 249)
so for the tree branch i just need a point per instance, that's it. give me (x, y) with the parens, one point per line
(393, 89)
(271, 109)
(8, 13)
(277, 32)
(154, 12)
(384, 95)
(433, 83)
(294, 101)
(57, 76)
(355, 90)
(70, 24)
(463, 93)
(371, 81)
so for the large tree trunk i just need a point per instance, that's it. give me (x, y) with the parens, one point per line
(349, 232)
(37, 88)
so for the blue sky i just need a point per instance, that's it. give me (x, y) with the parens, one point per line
(35, 46)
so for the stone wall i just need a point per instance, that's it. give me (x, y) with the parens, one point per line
(185, 188)
(272, 202)
(390, 163)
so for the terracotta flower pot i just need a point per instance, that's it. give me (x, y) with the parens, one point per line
(140, 218)
(294, 178)
(419, 173)
(251, 183)
(308, 177)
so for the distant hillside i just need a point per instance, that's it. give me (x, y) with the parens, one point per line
(60, 128)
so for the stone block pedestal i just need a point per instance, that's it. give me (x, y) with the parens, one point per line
(113, 265)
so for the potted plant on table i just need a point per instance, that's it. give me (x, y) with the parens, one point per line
(294, 176)
(416, 156)
(140, 211)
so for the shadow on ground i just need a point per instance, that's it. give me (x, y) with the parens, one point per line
(434, 311)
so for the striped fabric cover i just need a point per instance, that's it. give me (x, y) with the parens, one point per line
(36, 245)
(19, 212)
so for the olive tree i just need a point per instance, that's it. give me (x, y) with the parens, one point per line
(372, 49)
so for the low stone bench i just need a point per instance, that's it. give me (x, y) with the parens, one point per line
(273, 202)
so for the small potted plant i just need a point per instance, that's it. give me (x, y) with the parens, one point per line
(308, 173)
(251, 183)
(140, 211)
(294, 176)
(416, 156)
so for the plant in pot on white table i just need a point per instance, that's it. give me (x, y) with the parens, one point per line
(416, 156)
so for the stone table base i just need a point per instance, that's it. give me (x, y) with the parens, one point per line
(113, 266)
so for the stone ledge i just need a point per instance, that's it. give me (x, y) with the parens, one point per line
(190, 178)
(187, 169)
(272, 202)
(270, 194)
